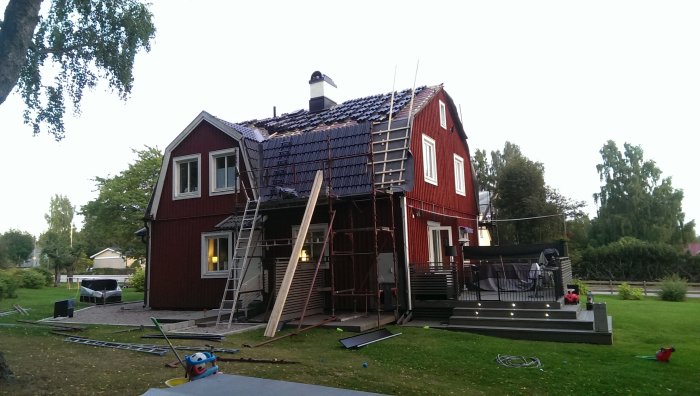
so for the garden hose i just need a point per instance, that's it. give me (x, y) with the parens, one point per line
(518, 361)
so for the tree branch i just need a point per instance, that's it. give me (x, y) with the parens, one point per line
(21, 18)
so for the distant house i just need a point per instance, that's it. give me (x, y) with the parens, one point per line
(33, 260)
(398, 196)
(109, 258)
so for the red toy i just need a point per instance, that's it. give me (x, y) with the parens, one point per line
(664, 354)
(570, 298)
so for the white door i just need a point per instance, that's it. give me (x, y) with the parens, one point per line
(438, 237)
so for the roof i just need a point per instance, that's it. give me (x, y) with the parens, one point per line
(375, 108)
(103, 251)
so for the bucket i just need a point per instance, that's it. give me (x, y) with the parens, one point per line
(176, 381)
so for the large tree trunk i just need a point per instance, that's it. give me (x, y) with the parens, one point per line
(16, 31)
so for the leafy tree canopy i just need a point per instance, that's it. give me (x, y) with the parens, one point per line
(535, 211)
(118, 211)
(52, 58)
(15, 247)
(634, 201)
(56, 243)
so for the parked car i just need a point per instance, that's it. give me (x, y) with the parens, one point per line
(100, 291)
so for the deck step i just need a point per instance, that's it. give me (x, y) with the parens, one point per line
(517, 322)
(538, 334)
(510, 304)
(519, 313)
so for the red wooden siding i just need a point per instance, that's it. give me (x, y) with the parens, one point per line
(176, 232)
(439, 203)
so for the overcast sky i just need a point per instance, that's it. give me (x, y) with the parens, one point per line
(558, 78)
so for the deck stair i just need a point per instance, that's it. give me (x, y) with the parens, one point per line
(531, 320)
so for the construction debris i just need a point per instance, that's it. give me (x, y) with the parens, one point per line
(54, 325)
(117, 345)
(360, 340)
(204, 337)
(331, 319)
(16, 309)
(175, 363)
(129, 330)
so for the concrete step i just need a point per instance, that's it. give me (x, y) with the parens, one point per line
(510, 304)
(538, 334)
(518, 313)
(517, 322)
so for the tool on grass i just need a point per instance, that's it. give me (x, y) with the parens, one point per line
(155, 322)
(662, 355)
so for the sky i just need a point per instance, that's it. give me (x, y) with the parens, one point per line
(557, 78)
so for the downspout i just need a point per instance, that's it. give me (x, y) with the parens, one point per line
(404, 218)
(147, 289)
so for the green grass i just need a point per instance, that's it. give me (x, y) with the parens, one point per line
(419, 362)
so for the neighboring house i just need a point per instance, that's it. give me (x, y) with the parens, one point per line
(108, 258)
(33, 260)
(485, 218)
(398, 194)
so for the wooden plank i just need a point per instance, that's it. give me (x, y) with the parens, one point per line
(291, 267)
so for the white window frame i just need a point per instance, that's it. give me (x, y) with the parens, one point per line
(213, 155)
(460, 186)
(312, 227)
(223, 273)
(176, 176)
(443, 115)
(430, 160)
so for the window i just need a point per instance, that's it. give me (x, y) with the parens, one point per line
(459, 175)
(429, 161)
(186, 177)
(443, 115)
(313, 245)
(222, 166)
(216, 248)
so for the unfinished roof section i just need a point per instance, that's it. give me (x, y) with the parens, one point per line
(291, 161)
(374, 108)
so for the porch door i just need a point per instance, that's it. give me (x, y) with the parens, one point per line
(438, 237)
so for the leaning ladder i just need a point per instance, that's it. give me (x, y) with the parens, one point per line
(240, 260)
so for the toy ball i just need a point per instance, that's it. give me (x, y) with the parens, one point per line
(365, 365)
(199, 357)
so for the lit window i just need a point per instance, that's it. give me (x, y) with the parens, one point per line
(215, 254)
(222, 165)
(313, 244)
(459, 175)
(186, 177)
(429, 161)
(443, 115)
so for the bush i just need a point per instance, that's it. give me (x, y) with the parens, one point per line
(138, 280)
(627, 292)
(582, 288)
(673, 288)
(8, 285)
(30, 279)
(48, 275)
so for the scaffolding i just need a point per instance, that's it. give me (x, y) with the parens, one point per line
(361, 247)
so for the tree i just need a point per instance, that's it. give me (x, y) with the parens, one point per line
(56, 243)
(534, 211)
(635, 201)
(15, 247)
(118, 211)
(78, 42)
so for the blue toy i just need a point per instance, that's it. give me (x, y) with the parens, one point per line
(197, 365)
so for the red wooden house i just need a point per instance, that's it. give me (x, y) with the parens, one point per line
(398, 197)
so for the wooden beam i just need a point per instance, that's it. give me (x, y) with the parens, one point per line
(294, 259)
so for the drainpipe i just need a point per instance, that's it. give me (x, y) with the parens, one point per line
(404, 218)
(147, 291)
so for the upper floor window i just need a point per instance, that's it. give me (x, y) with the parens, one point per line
(216, 248)
(460, 187)
(443, 115)
(223, 165)
(429, 161)
(186, 177)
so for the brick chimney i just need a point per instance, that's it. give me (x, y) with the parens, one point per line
(321, 87)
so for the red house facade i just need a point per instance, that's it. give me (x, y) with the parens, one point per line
(398, 197)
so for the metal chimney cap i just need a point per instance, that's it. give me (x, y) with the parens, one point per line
(317, 76)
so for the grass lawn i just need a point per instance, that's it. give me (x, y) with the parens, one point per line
(419, 362)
